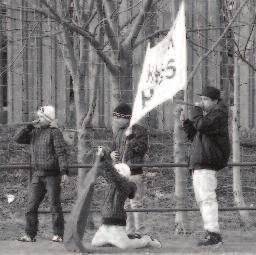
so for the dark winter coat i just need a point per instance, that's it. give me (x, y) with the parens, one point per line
(118, 190)
(48, 150)
(133, 148)
(210, 148)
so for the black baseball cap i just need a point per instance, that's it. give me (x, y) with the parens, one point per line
(210, 92)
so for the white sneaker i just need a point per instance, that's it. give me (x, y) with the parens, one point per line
(155, 243)
(151, 242)
(57, 238)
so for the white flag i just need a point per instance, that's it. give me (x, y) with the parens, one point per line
(164, 71)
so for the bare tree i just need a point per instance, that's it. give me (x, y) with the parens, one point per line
(120, 35)
(237, 185)
(85, 25)
(236, 54)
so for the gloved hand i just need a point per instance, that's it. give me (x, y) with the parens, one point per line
(189, 129)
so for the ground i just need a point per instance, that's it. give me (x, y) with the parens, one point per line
(235, 242)
(159, 193)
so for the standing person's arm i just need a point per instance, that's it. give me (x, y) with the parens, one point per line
(189, 129)
(208, 124)
(137, 143)
(60, 150)
(24, 135)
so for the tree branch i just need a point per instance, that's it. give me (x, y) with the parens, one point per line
(91, 39)
(108, 29)
(191, 75)
(242, 57)
(138, 24)
(250, 34)
(109, 12)
(238, 52)
(90, 19)
(68, 53)
(151, 36)
(78, 11)
(129, 21)
(96, 75)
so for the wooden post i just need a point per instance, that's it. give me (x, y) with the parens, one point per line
(179, 147)
(181, 174)
(2, 66)
(237, 186)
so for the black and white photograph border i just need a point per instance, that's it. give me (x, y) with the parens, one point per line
(127, 127)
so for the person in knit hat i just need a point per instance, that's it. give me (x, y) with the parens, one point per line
(112, 231)
(130, 149)
(49, 171)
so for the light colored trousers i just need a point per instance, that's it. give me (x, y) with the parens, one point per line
(205, 184)
(117, 236)
(135, 220)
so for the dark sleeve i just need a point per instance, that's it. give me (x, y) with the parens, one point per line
(209, 124)
(60, 150)
(123, 185)
(189, 129)
(138, 142)
(24, 135)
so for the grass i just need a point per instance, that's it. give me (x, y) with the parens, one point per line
(159, 185)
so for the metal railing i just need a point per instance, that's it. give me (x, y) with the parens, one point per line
(160, 165)
(165, 210)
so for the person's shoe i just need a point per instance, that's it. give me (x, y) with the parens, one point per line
(57, 238)
(134, 236)
(26, 238)
(155, 243)
(211, 238)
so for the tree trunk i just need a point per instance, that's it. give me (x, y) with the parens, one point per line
(85, 116)
(237, 187)
(122, 81)
(84, 143)
(181, 223)
(1, 70)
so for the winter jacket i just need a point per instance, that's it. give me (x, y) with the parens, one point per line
(133, 148)
(210, 148)
(48, 150)
(119, 189)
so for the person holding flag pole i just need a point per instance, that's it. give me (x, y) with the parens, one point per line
(164, 73)
(130, 146)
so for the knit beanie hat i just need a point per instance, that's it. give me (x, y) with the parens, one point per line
(47, 112)
(123, 110)
(123, 169)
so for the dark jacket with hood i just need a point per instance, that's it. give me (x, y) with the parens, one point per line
(133, 148)
(210, 148)
(118, 190)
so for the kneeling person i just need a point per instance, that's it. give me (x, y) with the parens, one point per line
(112, 231)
